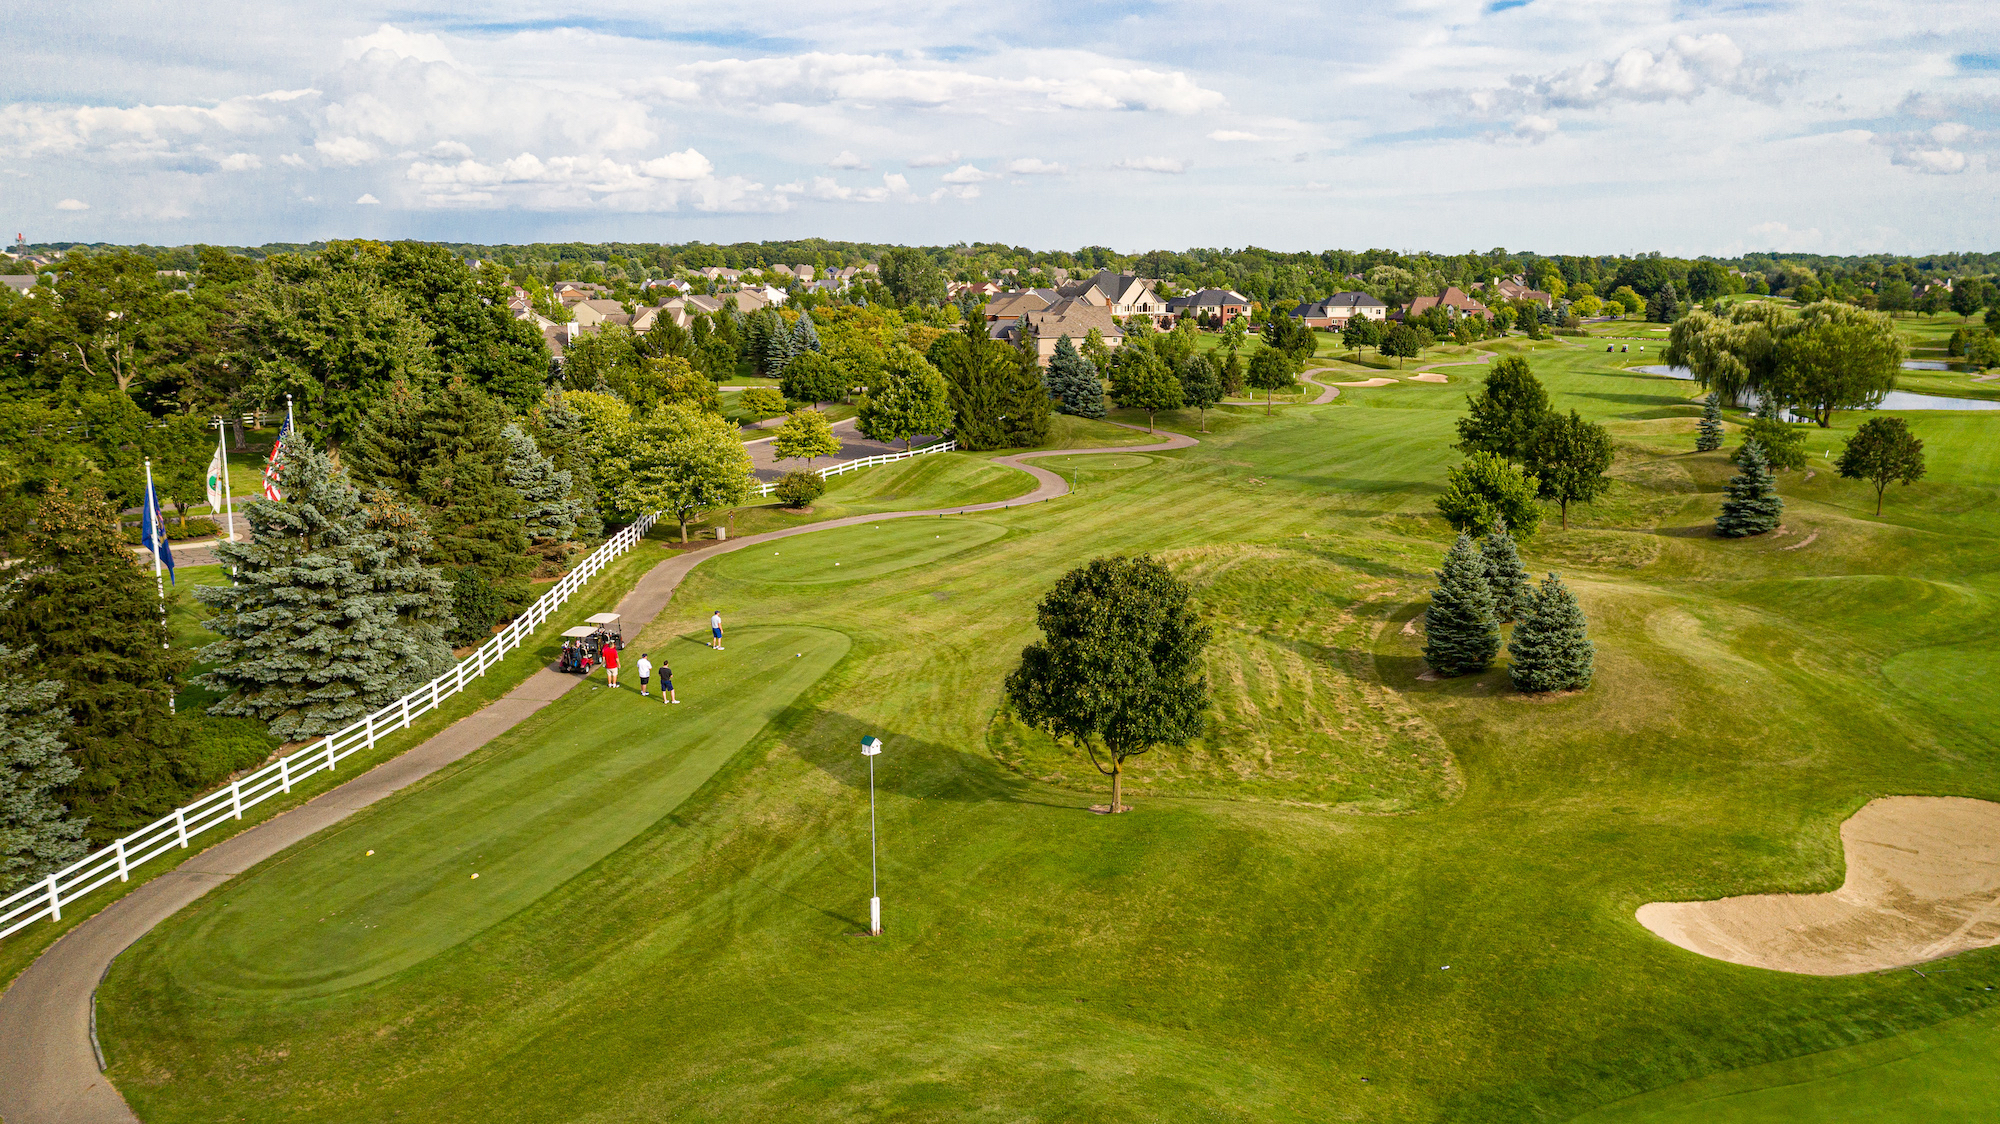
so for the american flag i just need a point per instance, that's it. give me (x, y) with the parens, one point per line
(276, 462)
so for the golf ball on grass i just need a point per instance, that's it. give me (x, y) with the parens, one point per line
(475, 876)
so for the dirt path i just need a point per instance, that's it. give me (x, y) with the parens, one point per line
(48, 1062)
(1923, 882)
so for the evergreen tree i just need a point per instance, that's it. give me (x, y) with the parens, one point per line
(1708, 432)
(37, 835)
(1551, 649)
(1663, 304)
(1513, 590)
(779, 348)
(93, 617)
(1752, 506)
(447, 452)
(805, 335)
(559, 431)
(1074, 382)
(549, 509)
(1462, 634)
(332, 614)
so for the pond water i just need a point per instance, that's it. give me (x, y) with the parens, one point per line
(1925, 365)
(1894, 400)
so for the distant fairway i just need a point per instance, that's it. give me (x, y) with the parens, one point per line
(858, 553)
(545, 802)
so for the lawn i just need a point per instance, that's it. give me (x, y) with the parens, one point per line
(1362, 895)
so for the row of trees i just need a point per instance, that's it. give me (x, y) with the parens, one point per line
(1520, 450)
(1483, 585)
(1820, 358)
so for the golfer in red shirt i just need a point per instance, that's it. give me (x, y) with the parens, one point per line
(611, 662)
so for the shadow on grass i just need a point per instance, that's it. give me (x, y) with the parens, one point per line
(912, 767)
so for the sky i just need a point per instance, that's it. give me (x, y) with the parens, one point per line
(1560, 126)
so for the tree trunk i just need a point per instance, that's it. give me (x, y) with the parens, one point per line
(1149, 421)
(1267, 401)
(1565, 507)
(1117, 786)
(1879, 489)
(236, 427)
(684, 531)
(1204, 419)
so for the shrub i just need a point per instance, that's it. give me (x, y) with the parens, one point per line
(1783, 445)
(800, 489)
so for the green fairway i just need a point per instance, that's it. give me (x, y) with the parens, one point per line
(1363, 894)
(1945, 1074)
(394, 885)
(859, 553)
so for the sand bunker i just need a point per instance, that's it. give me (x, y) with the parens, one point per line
(1923, 881)
(1367, 382)
(1429, 376)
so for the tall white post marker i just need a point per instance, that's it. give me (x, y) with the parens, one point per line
(870, 747)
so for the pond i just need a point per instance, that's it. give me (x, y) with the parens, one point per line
(1925, 365)
(1894, 400)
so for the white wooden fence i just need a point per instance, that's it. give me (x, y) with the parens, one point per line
(45, 897)
(864, 462)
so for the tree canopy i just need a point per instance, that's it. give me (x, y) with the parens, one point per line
(1883, 451)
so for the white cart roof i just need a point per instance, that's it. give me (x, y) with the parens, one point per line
(603, 618)
(581, 631)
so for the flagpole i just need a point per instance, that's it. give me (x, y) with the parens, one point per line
(289, 423)
(154, 529)
(228, 501)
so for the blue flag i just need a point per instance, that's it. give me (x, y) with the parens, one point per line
(153, 533)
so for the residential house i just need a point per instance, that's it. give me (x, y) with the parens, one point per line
(1008, 308)
(597, 313)
(22, 283)
(1335, 311)
(1073, 318)
(1125, 294)
(1221, 305)
(1516, 288)
(1455, 304)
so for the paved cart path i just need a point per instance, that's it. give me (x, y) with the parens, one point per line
(48, 1061)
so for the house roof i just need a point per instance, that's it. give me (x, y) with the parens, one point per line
(1208, 298)
(1074, 318)
(19, 282)
(1349, 301)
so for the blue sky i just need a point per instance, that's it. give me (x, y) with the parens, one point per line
(1556, 125)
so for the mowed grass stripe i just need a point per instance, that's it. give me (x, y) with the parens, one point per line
(543, 803)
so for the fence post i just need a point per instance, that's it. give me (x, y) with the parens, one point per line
(406, 712)
(55, 900)
(331, 760)
(181, 825)
(236, 798)
(368, 730)
(124, 871)
(285, 774)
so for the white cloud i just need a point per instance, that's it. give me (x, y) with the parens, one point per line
(397, 43)
(1777, 236)
(1532, 129)
(966, 173)
(935, 159)
(1035, 166)
(72, 205)
(687, 165)
(1236, 135)
(367, 200)
(1931, 161)
(1038, 80)
(1930, 151)
(847, 160)
(1166, 164)
(349, 151)
(452, 148)
(1690, 66)
(240, 162)
(292, 160)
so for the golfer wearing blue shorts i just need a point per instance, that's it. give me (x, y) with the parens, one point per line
(715, 630)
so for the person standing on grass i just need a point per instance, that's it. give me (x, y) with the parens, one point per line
(645, 672)
(715, 630)
(611, 662)
(667, 683)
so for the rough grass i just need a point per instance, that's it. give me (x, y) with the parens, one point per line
(1256, 941)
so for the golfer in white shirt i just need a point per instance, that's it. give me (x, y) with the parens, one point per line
(715, 630)
(645, 673)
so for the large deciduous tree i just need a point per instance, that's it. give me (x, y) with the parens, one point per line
(1883, 451)
(910, 400)
(1568, 457)
(1201, 385)
(332, 613)
(913, 278)
(1461, 628)
(812, 377)
(1118, 668)
(1503, 417)
(1844, 360)
(684, 463)
(1486, 489)
(1142, 380)
(1272, 370)
(806, 435)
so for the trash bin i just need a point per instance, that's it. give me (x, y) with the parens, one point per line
(721, 534)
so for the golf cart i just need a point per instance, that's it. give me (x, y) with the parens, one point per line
(579, 650)
(607, 625)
